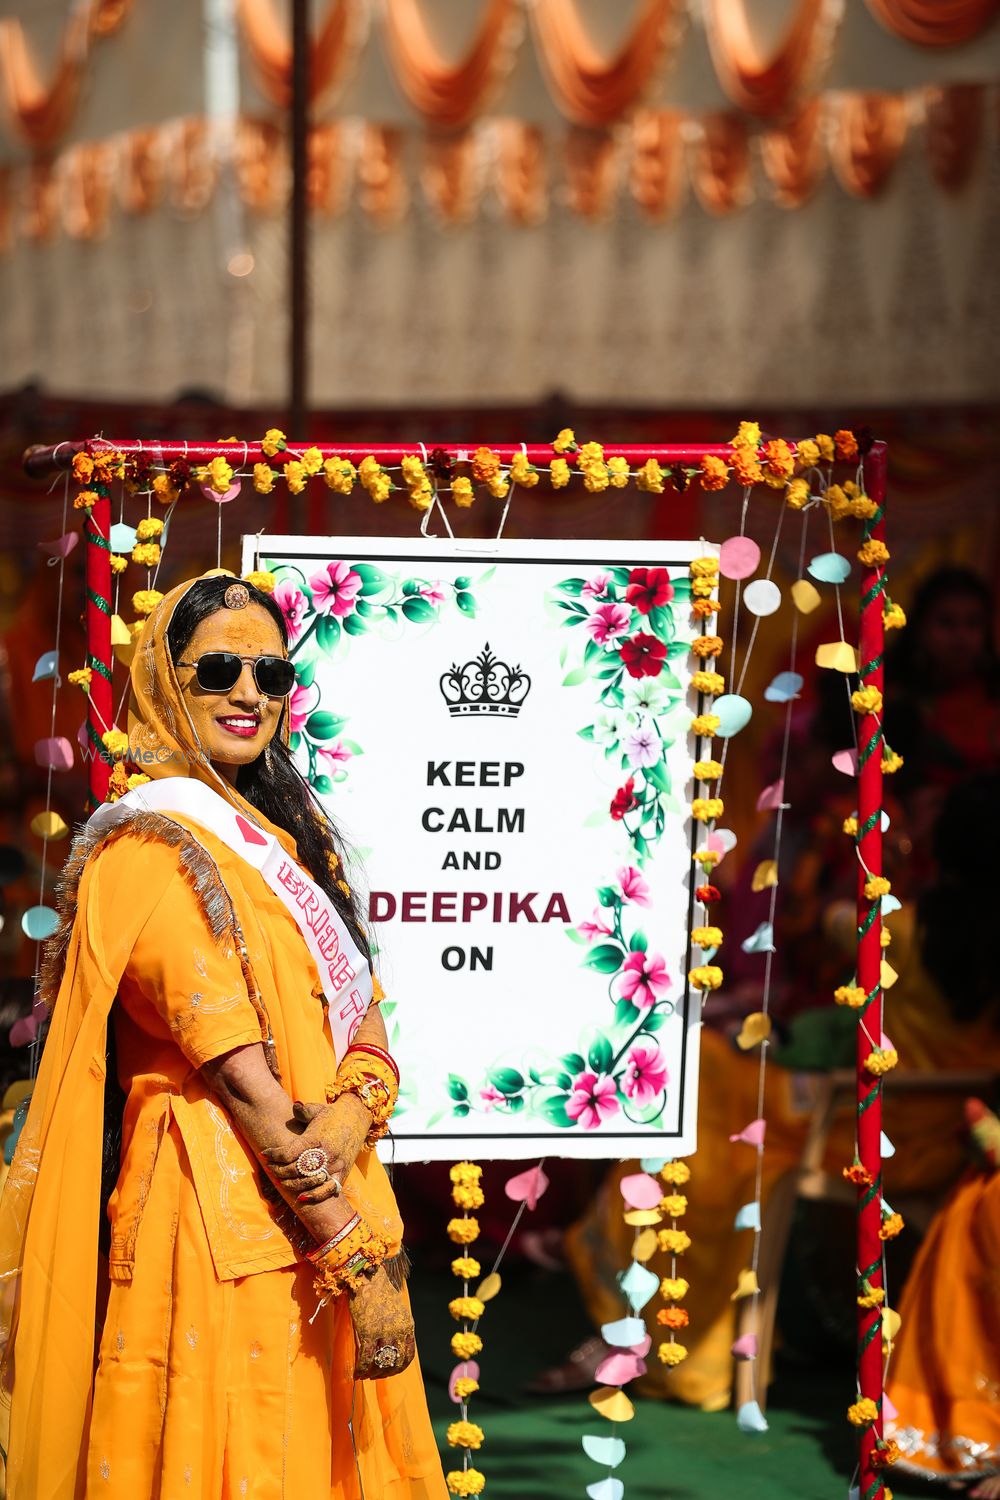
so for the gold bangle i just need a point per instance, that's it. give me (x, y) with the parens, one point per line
(347, 1260)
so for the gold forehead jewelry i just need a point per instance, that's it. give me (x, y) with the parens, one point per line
(237, 596)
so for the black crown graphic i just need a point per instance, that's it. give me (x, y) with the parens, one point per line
(485, 685)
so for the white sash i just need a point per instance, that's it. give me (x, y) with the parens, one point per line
(343, 970)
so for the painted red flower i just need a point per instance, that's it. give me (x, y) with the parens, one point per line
(648, 588)
(643, 655)
(624, 800)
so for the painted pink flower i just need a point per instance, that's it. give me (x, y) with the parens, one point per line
(300, 705)
(597, 587)
(335, 753)
(609, 622)
(431, 593)
(634, 885)
(645, 1073)
(596, 928)
(594, 1099)
(643, 979)
(334, 589)
(293, 605)
(490, 1097)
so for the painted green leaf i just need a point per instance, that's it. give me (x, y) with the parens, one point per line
(294, 741)
(353, 746)
(571, 608)
(661, 622)
(327, 632)
(658, 775)
(365, 608)
(607, 895)
(608, 669)
(323, 785)
(515, 1103)
(462, 582)
(591, 652)
(621, 575)
(457, 1087)
(606, 958)
(466, 604)
(574, 678)
(461, 1110)
(676, 649)
(656, 1019)
(587, 732)
(353, 625)
(507, 1080)
(574, 936)
(418, 610)
(572, 586)
(599, 1054)
(324, 726)
(411, 586)
(626, 1014)
(435, 1119)
(564, 1080)
(372, 579)
(638, 942)
(554, 1110)
(391, 612)
(574, 1061)
(304, 673)
(485, 577)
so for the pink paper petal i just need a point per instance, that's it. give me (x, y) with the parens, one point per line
(62, 546)
(886, 1044)
(738, 557)
(889, 1411)
(527, 1187)
(721, 841)
(642, 1348)
(82, 738)
(24, 1030)
(771, 797)
(468, 1369)
(745, 1347)
(619, 1369)
(846, 761)
(230, 494)
(56, 752)
(753, 1134)
(641, 1191)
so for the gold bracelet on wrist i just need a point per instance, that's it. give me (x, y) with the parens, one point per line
(375, 1082)
(347, 1260)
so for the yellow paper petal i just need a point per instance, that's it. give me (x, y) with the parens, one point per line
(640, 1217)
(891, 1323)
(488, 1287)
(888, 975)
(611, 1403)
(805, 596)
(645, 1245)
(755, 1029)
(766, 874)
(838, 656)
(120, 633)
(48, 825)
(746, 1285)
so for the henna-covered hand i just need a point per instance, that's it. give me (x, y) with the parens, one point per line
(336, 1132)
(383, 1327)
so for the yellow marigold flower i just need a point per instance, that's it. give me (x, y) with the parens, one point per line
(851, 489)
(559, 473)
(706, 937)
(339, 475)
(374, 478)
(824, 443)
(465, 1172)
(485, 464)
(671, 1354)
(465, 1345)
(465, 1387)
(891, 1225)
(83, 467)
(705, 646)
(862, 1413)
(872, 1298)
(147, 554)
(893, 618)
(590, 454)
(807, 452)
(850, 826)
(263, 478)
(421, 496)
(705, 725)
(711, 683)
(464, 1309)
(463, 1231)
(81, 678)
(706, 977)
(261, 579)
(312, 460)
(873, 552)
(461, 491)
(413, 469)
(465, 1481)
(707, 858)
(108, 464)
(218, 475)
(704, 809)
(149, 528)
(273, 441)
(466, 1266)
(566, 441)
(164, 489)
(295, 476)
(677, 1173)
(862, 507)
(498, 486)
(673, 1288)
(523, 473)
(883, 1060)
(885, 937)
(674, 1205)
(618, 470)
(877, 886)
(144, 601)
(703, 567)
(748, 436)
(707, 770)
(779, 464)
(713, 472)
(673, 1241)
(465, 1435)
(138, 778)
(837, 501)
(891, 763)
(118, 563)
(866, 700)
(650, 477)
(596, 478)
(850, 994)
(85, 499)
(467, 1196)
(117, 782)
(703, 588)
(115, 742)
(797, 494)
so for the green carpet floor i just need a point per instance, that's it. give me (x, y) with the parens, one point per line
(533, 1451)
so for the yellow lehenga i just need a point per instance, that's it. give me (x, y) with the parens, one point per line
(217, 1375)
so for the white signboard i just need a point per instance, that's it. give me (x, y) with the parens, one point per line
(502, 735)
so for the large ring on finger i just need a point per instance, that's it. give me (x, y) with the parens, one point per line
(386, 1356)
(312, 1164)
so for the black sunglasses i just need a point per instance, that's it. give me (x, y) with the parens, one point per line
(218, 671)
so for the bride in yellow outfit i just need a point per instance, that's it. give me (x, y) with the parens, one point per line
(210, 1302)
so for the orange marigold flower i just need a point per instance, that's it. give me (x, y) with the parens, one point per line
(706, 894)
(673, 1317)
(845, 444)
(85, 499)
(83, 467)
(779, 464)
(714, 472)
(746, 467)
(485, 464)
(885, 1454)
(858, 1175)
(891, 1225)
(703, 609)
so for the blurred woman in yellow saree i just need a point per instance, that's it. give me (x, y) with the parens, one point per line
(230, 1338)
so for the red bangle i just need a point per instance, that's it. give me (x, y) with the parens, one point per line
(378, 1052)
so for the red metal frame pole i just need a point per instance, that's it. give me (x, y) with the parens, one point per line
(869, 965)
(100, 706)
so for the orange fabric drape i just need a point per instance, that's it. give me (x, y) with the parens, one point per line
(383, 190)
(869, 132)
(333, 47)
(793, 156)
(140, 176)
(192, 167)
(327, 178)
(768, 86)
(935, 23)
(521, 172)
(88, 185)
(41, 202)
(451, 176)
(954, 133)
(450, 95)
(41, 111)
(721, 167)
(591, 172)
(656, 175)
(261, 163)
(593, 90)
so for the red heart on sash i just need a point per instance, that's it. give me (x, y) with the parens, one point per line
(250, 834)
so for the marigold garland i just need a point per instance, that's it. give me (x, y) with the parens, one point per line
(673, 1242)
(467, 1193)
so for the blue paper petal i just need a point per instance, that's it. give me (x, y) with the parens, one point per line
(748, 1217)
(761, 941)
(654, 1164)
(624, 1332)
(784, 687)
(47, 665)
(750, 1418)
(638, 1284)
(890, 904)
(39, 922)
(734, 714)
(122, 537)
(830, 567)
(608, 1488)
(887, 1148)
(604, 1450)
